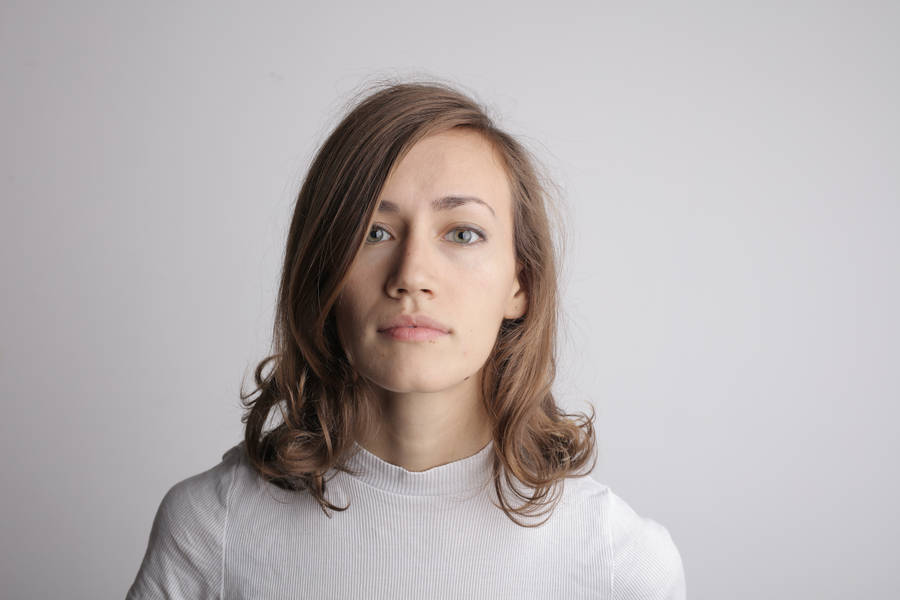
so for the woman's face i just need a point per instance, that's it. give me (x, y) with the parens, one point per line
(433, 251)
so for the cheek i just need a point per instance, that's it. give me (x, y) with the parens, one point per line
(346, 313)
(482, 298)
(485, 282)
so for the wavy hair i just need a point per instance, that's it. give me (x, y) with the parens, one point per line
(324, 404)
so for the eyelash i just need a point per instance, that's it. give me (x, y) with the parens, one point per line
(474, 230)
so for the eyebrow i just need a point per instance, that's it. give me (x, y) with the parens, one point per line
(445, 203)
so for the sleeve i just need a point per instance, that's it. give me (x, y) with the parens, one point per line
(646, 563)
(184, 554)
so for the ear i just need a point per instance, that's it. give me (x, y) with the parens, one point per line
(517, 303)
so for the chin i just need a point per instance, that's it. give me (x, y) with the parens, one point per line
(416, 382)
(413, 386)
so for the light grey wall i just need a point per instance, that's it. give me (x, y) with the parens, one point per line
(730, 172)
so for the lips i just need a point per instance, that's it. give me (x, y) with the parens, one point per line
(417, 321)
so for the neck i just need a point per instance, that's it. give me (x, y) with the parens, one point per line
(422, 430)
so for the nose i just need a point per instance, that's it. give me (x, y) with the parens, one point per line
(413, 271)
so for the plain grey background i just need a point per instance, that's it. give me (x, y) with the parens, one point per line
(730, 179)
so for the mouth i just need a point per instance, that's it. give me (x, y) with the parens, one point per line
(412, 333)
(413, 321)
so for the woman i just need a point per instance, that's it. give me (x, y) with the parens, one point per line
(414, 355)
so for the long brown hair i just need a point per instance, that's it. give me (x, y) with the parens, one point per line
(324, 403)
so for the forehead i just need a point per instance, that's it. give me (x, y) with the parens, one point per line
(456, 162)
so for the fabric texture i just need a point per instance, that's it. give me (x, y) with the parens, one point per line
(227, 534)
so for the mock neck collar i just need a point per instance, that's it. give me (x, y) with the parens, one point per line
(457, 476)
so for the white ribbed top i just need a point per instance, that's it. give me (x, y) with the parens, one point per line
(459, 476)
(225, 533)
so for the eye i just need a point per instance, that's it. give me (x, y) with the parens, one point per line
(468, 233)
(376, 229)
(466, 236)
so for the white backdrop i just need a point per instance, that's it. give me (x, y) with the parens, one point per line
(730, 176)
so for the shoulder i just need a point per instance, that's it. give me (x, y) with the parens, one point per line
(199, 502)
(645, 561)
(184, 551)
(637, 555)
